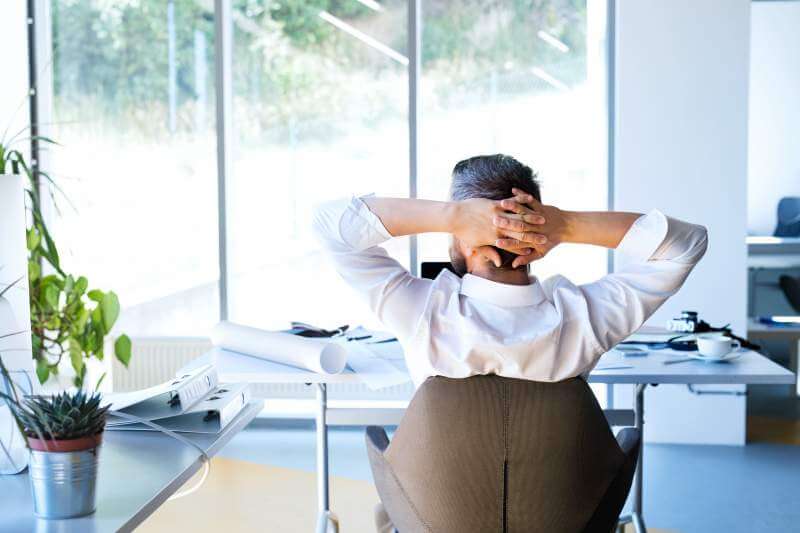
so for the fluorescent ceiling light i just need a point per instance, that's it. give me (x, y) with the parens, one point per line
(363, 37)
(541, 74)
(552, 41)
(372, 4)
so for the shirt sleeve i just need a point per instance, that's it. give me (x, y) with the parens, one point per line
(660, 252)
(350, 234)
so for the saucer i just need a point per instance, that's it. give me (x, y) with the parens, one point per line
(730, 356)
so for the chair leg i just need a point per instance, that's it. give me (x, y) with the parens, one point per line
(327, 522)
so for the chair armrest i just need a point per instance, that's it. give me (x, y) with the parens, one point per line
(628, 439)
(377, 438)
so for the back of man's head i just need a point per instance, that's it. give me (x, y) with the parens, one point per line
(493, 177)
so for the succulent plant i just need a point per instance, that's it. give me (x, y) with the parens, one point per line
(64, 416)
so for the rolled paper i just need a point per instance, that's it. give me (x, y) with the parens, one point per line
(318, 355)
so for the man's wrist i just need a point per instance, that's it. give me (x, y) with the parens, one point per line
(571, 229)
(451, 218)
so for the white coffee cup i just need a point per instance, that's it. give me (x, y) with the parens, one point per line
(715, 346)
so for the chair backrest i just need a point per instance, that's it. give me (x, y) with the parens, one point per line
(791, 289)
(788, 217)
(496, 454)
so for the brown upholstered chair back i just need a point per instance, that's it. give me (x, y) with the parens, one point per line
(488, 454)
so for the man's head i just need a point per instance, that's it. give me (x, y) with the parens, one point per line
(491, 177)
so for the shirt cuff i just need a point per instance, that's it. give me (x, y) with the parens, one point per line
(360, 228)
(645, 236)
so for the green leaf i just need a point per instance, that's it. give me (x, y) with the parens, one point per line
(50, 293)
(42, 370)
(96, 295)
(83, 317)
(76, 355)
(52, 251)
(110, 308)
(122, 349)
(100, 382)
(81, 285)
(90, 343)
(69, 284)
(78, 380)
(33, 239)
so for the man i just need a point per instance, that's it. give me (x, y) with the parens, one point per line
(496, 318)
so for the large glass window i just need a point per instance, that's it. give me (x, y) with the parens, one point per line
(321, 111)
(525, 79)
(133, 107)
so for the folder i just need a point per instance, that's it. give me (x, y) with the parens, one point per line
(193, 402)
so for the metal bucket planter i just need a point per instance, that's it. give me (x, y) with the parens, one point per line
(64, 476)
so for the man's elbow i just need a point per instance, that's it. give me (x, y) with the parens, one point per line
(701, 243)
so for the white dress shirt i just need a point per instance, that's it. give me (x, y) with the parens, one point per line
(545, 331)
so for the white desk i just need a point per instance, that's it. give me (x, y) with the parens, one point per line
(773, 252)
(751, 368)
(138, 472)
(790, 334)
(768, 256)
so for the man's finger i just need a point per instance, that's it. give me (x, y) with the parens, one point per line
(490, 254)
(526, 259)
(511, 204)
(521, 212)
(526, 237)
(512, 224)
(526, 198)
(515, 223)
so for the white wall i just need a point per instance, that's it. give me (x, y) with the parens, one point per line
(13, 117)
(774, 144)
(681, 146)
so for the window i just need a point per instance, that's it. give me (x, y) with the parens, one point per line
(321, 111)
(133, 107)
(320, 107)
(524, 80)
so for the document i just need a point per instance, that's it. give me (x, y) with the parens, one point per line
(323, 356)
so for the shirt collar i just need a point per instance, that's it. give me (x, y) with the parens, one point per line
(502, 294)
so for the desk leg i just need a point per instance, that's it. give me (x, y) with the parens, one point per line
(324, 520)
(638, 487)
(794, 364)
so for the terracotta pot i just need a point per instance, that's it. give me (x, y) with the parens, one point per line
(71, 445)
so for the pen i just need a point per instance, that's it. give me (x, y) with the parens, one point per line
(674, 361)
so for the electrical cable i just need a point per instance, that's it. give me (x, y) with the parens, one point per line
(206, 470)
(206, 460)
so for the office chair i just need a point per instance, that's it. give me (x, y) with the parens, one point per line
(791, 289)
(493, 454)
(788, 217)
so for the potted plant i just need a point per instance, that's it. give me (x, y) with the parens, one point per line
(69, 320)
(64, 433)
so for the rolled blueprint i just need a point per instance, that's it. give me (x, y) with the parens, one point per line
(317, 355)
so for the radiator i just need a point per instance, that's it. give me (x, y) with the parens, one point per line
(155, 360)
